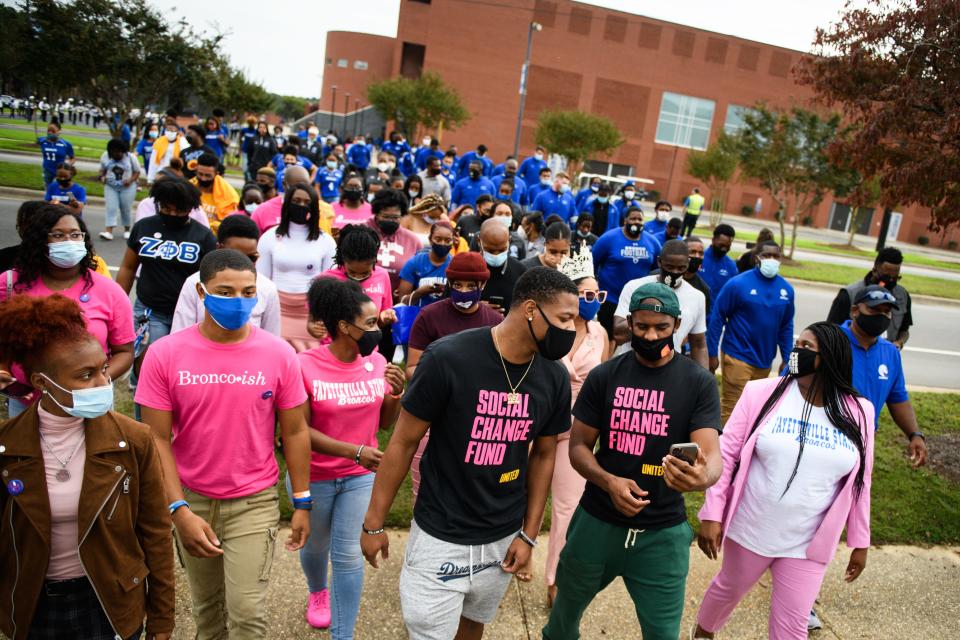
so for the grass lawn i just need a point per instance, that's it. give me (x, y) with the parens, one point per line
(909, 506)
(42, 126)
(812, 245)
(84, 153)
(83, 147)
(28, 176)
(843, 275)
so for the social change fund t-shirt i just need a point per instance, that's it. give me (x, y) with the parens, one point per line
(473, 487)
(640, 412)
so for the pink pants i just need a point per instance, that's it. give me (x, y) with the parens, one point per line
(566, 487)
(796, 582)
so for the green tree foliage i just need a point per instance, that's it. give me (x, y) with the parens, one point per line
(787, 153)
(577, 136)
(288, 107)
(715, 167)
(427, 103)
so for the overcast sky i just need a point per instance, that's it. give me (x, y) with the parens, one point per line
(282, 30)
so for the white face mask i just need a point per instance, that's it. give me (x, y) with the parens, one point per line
(538, 156)
(628, 195)
(506, 221)
(426, 142)
(170, 135)
(663, 216)
(250, 207)
(370, 197)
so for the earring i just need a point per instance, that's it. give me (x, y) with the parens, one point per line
(529, 318)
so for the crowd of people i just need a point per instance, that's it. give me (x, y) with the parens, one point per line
(523, 341)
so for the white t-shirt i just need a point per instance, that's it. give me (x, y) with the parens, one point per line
(693, 309)
(190, 309)
(291, 262)
(782, 527)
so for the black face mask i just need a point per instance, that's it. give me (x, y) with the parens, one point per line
(652, 350)
(352, 195)
(298, 213)
(63, 183)
(720, 252)
(671, 279)
(694, 265)
(634, 230)
(873, 326)
(556, 343)
(802, 362)
(205, 183)
(368, 341)
(474, 174)
(886, 282)
(172, 221)
(388, 227)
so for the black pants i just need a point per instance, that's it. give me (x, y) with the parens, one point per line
(689, 224)
(74, 615)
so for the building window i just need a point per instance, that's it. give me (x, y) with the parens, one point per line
(343, 63)
(360, 65)
(735, 122)
(684, 121)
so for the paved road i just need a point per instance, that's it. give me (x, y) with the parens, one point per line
(931, 359)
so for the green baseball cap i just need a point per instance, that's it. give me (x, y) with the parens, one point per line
(660, 292)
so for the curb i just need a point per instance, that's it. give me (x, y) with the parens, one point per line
(913, 296)
(33, 194)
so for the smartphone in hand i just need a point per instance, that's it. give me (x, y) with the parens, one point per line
(686, 451)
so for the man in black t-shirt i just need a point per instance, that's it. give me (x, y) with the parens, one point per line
(486, 395)
(631, 521)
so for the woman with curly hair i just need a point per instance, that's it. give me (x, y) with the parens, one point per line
(56, 256)
(86, 533)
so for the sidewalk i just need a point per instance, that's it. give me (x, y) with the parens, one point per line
(905, 592)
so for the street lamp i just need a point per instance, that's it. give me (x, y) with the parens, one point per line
(346, 111)
(360, 128)
(333, 105)
(524, 71)
(356, 108)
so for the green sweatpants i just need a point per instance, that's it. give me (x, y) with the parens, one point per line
(652, 563)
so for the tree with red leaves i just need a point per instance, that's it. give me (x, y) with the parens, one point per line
(893, 68)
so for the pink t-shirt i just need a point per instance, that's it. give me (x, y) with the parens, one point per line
(395, 250)
(377, 286)
(267, 214)
(105, 306)
(223, 398)
(345, 401)
(342, 216)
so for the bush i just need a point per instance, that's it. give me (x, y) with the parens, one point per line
(653, 195)
(952, 245)
(923, 241)
(807, 221)
(746, 210)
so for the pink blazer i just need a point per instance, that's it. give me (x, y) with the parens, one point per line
(723, 498)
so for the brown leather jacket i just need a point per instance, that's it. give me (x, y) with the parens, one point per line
(125, 541)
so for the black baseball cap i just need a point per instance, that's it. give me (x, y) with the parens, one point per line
(874, 296)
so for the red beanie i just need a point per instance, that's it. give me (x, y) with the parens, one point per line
(468, 266)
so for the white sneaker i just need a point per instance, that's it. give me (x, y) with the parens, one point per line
(813, 621)
(106, 235)
(126, 235)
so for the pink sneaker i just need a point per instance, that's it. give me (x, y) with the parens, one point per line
(318, 609)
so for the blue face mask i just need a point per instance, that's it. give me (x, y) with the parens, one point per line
(603, 199)
(495, 260)
(769, 267)
(228, 312)
(66, 254)
(594, 188)
(588, 310)
(87, 403)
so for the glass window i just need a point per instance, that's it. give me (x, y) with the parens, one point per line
(685, 121)
(735, 120)
(360, 65)
(343, 63)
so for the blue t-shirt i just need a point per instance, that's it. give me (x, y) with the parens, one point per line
(550, 202)
(466, 190)
(424, 154)
(655, 226)
(54, 152)
(144, 149)
(419, 271)
(717, 270)
(661, 236)
(396, 149)
(877, 372)
(212, 140)
(359, 155)
(56, 193)
(329, 181)
(530, 170)
(617, 260)
(519, 194)
(754, 314)
(581, 198)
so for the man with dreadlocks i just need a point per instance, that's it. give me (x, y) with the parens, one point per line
(797, 461)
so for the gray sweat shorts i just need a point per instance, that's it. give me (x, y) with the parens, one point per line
(440, 581)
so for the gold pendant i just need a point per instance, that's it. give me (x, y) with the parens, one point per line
(513, 398)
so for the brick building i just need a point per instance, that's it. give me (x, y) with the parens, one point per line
(668, 87)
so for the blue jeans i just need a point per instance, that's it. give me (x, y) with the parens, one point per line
(335, 523)
(158, 326)
(15, 407)
(119, 203)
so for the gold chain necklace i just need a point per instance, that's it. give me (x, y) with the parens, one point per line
(513, 397)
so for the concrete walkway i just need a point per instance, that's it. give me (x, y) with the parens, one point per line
(905, 592)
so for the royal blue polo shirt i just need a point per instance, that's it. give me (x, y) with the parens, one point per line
(877, 372)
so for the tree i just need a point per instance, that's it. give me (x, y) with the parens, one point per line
(894, 69)
(577, 136)
(715, 167)
(787, 154)
(229, 89)
(425, 102)
(288, 107)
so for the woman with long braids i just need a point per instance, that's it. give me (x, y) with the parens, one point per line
(797, 460)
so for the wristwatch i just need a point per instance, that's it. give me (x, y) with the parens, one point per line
(917, 434)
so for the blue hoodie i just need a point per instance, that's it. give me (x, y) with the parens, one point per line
(717, 270)
(530, 170)
(467, 190)
(755, 315)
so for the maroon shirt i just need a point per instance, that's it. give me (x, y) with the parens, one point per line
(441, 319)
